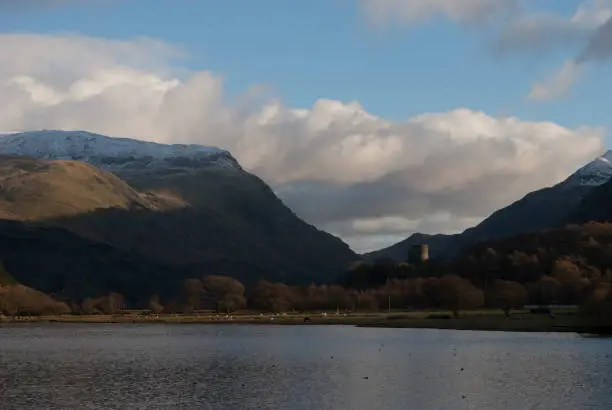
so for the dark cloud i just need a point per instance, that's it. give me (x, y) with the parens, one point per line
(599, 46)
(539, 33)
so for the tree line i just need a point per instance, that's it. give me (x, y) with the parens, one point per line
(449, 292)
(571, 266)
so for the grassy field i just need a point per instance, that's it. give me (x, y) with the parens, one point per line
(521, 320)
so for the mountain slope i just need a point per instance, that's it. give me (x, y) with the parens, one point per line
(596, 206)
(5, 278)
(33, 189)
(541, 209)
(252, 230)
(228, 222)
(60, 262)
(528, 256)
(545, 208)
(235, 226)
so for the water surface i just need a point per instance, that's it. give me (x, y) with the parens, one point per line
(298, 367)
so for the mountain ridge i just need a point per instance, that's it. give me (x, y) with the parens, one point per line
(548, 207)
(229, 222)
(111, 153)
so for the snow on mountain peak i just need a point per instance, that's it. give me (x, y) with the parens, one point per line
(111, 153)
(595, 173)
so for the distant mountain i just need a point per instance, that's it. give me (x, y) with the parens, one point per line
(187, 210)
(545, 208)
(438, 246)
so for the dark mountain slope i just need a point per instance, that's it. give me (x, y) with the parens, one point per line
(545, 208)
(527, 257)
(57, 261)
(235, 226)
(596, 206)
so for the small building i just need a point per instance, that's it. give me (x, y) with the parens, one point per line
(418, 254)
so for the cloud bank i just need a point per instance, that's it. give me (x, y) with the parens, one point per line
(366, 178)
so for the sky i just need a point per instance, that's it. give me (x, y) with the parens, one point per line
(371, 119)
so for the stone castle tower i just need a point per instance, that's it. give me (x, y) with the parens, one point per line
(418, 254)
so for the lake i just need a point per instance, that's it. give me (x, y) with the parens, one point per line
(298, 367)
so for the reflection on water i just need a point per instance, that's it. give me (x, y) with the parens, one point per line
(301, 367)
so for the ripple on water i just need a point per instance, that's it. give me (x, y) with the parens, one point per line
(301, 367)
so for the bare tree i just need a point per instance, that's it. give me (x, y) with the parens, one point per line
(507, 295)
(193, 289)
(274, 297)
(154, 305)
(111, 304)
(546, 290)
(227, 294)
(456, 293)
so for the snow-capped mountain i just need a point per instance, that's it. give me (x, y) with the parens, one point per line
(168, 213)
(112, 153)
(595, 173)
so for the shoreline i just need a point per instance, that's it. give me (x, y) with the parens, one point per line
(565, 323)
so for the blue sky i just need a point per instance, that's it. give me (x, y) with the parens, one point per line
(380, 118)
(327, 49)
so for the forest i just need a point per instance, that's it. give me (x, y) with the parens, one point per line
(568, 266)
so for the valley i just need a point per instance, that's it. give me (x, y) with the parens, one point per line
(579, 198)
(116, 224)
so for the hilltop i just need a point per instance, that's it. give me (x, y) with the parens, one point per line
(33, 189)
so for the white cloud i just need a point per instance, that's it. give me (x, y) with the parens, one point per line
(592, 13)
(559, 85)
(365, 177)
(413, 11)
